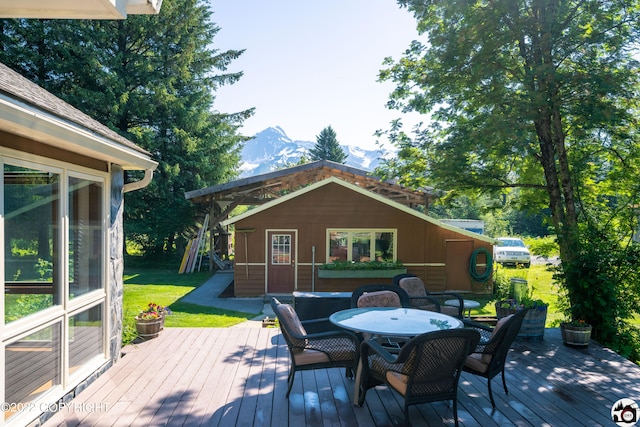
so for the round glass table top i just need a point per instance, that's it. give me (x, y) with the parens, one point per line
(393, 321)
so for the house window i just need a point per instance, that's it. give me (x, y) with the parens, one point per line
(53, 219)
(281, 249)
(32, 367)
(31, 241)
(85, 236)
(361, 245)
(85, 337)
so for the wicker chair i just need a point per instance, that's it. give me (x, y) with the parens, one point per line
(488, 358)
(433, 301)
(376, 295)
(427, 369)
(379, 296)
(330, 349)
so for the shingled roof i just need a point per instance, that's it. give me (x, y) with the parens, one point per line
(260, 189)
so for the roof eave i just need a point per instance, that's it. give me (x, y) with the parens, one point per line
(78, 9)
(30, 122)
(364, 192)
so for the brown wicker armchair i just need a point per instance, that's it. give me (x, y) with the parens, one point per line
(433, 301)
(488, 358)
(330, 349)
(379, 295)
(427, 369)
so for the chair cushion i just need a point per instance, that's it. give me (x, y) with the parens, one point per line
(310, 357)
(398, 381)
(292, 324)
(475, 361)
(413, 286)
(379, 299)
(486, 358)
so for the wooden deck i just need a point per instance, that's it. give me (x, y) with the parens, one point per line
(237, 377)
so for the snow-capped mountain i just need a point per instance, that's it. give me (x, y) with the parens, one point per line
(272, 149)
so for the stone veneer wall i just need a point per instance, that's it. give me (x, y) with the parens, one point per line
(116, 262)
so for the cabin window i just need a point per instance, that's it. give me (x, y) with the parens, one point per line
(361, 245)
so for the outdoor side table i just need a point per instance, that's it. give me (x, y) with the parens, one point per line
(467, 305)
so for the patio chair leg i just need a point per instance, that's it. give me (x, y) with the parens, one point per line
(407, 423)
(349, 373)
(490, 393)
(455, 412)
(504, 383)
(363, 392)
(290, 381)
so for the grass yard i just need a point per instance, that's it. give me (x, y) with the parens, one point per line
(540, 279)
(166, 288)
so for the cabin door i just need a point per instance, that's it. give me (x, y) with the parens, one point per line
(457, 264)
(281, 261)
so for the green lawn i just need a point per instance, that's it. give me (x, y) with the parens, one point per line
(540, 279)
(167, 287)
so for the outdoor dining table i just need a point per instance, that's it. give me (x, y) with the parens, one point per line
(390, 322)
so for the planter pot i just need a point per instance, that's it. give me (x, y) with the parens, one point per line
(149, 328)
(357, 274)
(162, 317)
(533, 323)
(504, 312)
(575, 335)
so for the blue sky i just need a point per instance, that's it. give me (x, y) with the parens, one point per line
(311, 64)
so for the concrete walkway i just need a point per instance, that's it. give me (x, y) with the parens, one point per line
(208, 295)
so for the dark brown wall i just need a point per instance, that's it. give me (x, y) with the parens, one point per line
(334, 206)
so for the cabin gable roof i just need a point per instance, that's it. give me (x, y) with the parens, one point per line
(335, 181)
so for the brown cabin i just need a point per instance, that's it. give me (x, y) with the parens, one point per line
(281, 245)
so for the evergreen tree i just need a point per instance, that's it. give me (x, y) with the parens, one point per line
(539, 96)
(152, 79)
(327, 147)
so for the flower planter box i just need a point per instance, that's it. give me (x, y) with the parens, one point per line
(149, 328)
(575, 335)
(358, 274)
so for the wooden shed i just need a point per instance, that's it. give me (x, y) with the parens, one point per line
(281, 245)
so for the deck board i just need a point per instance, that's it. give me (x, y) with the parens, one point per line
(238, 377)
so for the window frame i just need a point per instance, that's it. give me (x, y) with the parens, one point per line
(350, 234)
(67, 307)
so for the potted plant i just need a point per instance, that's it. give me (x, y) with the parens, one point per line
(150, 321)
(368, 269)
(576, 333)
(534, 321)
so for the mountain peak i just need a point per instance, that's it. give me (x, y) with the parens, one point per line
(272, 149)
(273, 132)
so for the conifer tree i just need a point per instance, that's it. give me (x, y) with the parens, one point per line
(327, 147)
(152, 79)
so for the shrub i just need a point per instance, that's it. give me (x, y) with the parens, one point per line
(601, 285)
